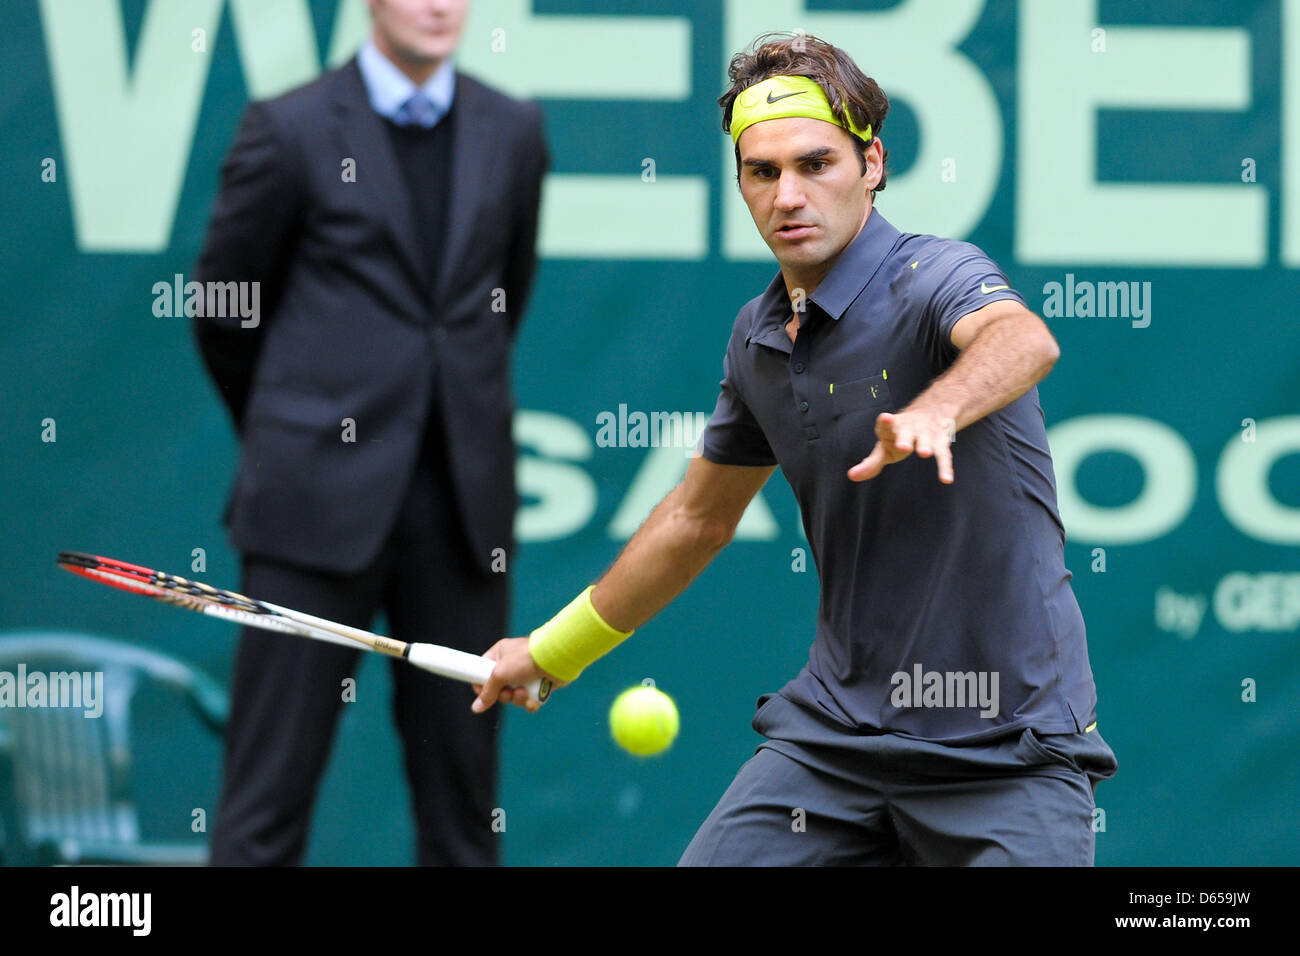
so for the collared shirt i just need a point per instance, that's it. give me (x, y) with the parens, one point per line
(389, 88)
(946, 612)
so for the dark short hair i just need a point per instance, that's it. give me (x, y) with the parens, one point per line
(849, 91)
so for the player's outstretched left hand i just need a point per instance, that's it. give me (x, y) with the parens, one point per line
(898, 435)
(515, 667)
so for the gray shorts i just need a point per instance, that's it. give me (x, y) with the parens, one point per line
(816, 793)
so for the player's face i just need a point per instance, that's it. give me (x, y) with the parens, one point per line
(804, 187)
(418, 32)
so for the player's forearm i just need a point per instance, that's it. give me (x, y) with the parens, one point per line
(663, 557)
(1007, 358)
(677, 541)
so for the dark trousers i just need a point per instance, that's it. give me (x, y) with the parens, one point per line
(815, 793)
(288, 692)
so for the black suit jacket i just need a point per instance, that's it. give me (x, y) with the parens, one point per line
(348, 330)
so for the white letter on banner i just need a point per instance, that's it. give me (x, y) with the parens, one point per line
(1063, 214)
(277, 44)
(566, 494)
(599, 215)
(1168, 477)
(121, 128)
(1242, 482)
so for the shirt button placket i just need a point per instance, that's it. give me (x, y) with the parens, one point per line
(801, 383)
(798, 365)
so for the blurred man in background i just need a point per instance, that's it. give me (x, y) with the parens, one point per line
(389, 212)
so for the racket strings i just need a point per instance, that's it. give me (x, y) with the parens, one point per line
(170, 587)
(197, 589)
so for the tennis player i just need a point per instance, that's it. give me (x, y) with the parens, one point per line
(947, 712)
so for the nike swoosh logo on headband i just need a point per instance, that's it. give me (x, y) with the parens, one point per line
(772, 99)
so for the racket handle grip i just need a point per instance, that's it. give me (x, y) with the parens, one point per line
(470, 668)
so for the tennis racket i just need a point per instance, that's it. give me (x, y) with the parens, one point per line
(230, 606)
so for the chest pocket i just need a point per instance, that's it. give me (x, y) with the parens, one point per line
(866, 394)
(854, 407)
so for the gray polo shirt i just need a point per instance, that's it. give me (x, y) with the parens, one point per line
(946, 611)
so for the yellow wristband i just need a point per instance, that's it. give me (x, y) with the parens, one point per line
(574, 638)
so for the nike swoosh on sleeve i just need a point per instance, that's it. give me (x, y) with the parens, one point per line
(986, 288)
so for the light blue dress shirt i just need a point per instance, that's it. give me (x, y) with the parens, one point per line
(391, 91)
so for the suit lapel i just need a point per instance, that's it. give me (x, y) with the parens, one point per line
(365, 139)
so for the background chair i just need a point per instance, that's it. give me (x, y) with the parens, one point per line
(66, 790)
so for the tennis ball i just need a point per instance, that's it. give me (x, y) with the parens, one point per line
(643, 721)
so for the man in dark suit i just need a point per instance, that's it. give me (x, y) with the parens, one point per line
(389, 212)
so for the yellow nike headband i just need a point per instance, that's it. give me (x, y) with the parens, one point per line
(782, 97)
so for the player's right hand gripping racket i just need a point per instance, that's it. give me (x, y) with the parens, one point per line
(458, 665)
